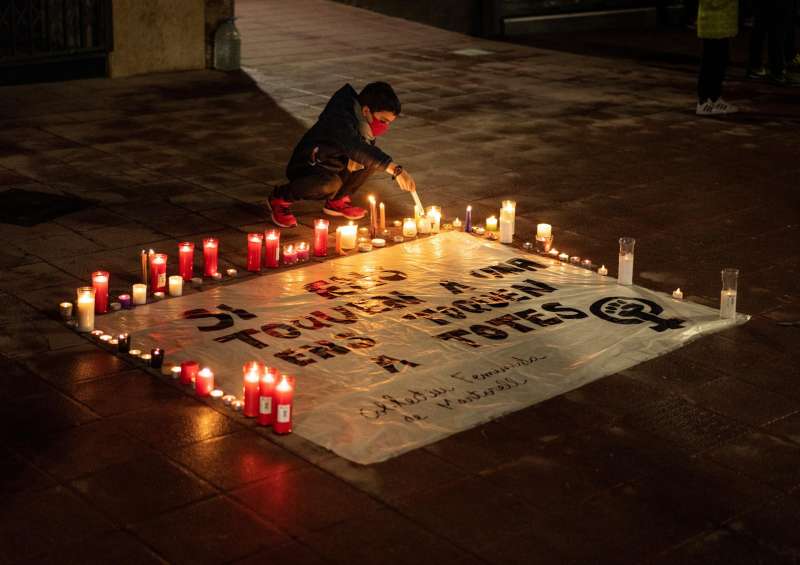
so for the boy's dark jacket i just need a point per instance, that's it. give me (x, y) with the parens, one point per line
(338, 136)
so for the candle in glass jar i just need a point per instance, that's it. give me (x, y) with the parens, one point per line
(289, 254)
(284, 396)
(100, 284)
(65, 309)
(272, 243)
(266, 394)
(254, 241)
(423, 225)
(189, 370)
(175, 285)
(409, 227)
(210, 256)
(125, 301)
(321, 238)
(338, 244)
(302, 251)
(434, 213)
(85, 308)
(382, 214)
(204, 382)
(544, 230)
(602, 271)
(158, 272)
(457, 224)
(156, 358)
(186, 260)
(563, 257)
(252, 377)
(491, 224)
(349, 234)
(625, 270)
(506, 230)
(124, 343)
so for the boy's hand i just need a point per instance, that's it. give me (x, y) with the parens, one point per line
(406, 182)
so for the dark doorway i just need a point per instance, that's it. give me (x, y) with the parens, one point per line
(54, 40)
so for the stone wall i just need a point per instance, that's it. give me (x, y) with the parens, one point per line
(157, 35)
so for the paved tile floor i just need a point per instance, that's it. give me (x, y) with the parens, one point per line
(693, 457)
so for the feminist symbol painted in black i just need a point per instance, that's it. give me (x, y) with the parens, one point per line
(620, 310)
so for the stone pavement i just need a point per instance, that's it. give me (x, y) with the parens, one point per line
(691, 458)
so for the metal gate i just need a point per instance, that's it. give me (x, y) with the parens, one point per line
(54, 39)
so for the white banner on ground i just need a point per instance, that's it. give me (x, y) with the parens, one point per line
(400, 347)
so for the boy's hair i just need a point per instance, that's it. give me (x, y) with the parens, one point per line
(380, 97)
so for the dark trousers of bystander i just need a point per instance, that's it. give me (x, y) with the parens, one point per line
(772, 20)
(712, 69)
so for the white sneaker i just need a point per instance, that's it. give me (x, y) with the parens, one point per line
(722, 107)
(705, 108)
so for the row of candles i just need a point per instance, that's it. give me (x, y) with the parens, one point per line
(267, 395)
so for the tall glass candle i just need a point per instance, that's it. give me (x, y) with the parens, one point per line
(85, 308)
(727, 296)
(204, 382)
(189, 370)
(266, 394)
(382, 214)
(125, 301)
(124, 342)
(186, 260)
(65, 308)
(100, 284)
(468, 220)
(435, 215)
(176, 285)
(254, 241)
(210, 256)
(491, 223)
(158, 272)
(506, 230)
(139, 292)
(156, 358)
(321, 238)
(284, 398)
(252, 377)
(289, 254)
(423, 225)
(625, 271)
(272, 242)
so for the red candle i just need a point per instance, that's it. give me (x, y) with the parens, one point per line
(186, 260)
(189, 370)
(252, 376)
(289, 254)
(254, 251)
(321, 238)
(273, 248)
(204, 383)
(284, 395)
(158, 272)
(302, 251)
(100, 284)
(266, 394)
(210, 249)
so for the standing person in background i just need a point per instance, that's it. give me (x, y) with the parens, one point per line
(717, 23)
(772, 20)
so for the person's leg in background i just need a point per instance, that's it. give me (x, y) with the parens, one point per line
(755, 62)
(790, 51)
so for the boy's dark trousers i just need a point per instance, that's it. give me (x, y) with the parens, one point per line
(315, 182)
(712, 69)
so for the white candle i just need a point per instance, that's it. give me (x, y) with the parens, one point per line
(424, 225)
(677, 294)
(85, 302)
(409, 227)
(727, 304)
(435, 216)
(457, 224)
(175, 285)
(349, 233)
(139, 293)
(65, 308)
(508, 212)
(506, 230)
(378, 242)
(544, 230)
(602, 270)
(625, 272)
(491, 223)
(175, 371)
(563, 257)
(232, 272)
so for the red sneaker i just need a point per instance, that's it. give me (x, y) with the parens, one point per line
(280, 213)
(342, 207)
